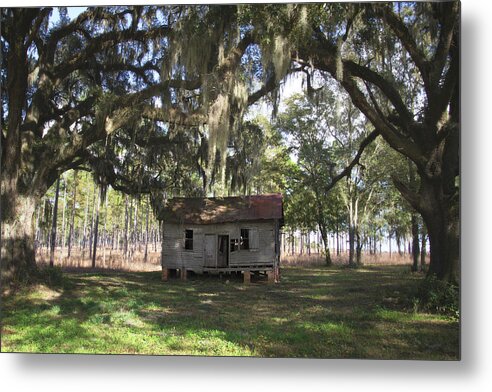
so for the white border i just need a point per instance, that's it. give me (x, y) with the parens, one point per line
(473, 373)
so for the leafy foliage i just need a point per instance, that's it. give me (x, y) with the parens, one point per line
(437, 296)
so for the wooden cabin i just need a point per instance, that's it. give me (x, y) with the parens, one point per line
(222, 235)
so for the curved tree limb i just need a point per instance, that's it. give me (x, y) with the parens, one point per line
(346, 172)
(405, 37)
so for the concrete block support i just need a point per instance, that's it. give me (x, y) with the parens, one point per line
(247, 277)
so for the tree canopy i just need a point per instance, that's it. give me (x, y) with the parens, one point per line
(141, 94)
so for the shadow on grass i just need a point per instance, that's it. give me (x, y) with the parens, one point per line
(313, 312)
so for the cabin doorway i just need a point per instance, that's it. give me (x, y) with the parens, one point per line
(210, 252)
(222, 251)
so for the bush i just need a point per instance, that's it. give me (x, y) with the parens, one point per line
(437, 296)
(52, 276)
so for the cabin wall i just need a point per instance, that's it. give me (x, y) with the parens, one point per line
(174, 254)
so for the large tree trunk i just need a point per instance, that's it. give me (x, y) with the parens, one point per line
(441, 217)
(438, 203)
(17, 241)
(17, 249)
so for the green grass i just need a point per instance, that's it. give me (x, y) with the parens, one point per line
(313, 312)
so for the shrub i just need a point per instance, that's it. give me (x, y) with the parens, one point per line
(52, 276)
(437, 296)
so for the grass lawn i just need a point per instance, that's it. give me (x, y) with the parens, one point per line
(316, 312)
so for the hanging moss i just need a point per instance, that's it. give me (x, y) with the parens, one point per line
(339, 63)
(202, 42)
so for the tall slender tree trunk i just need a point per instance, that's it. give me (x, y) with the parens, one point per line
(72, 217)
(84, 233)
(301, 234)
(338, 239)
(125, 237)
(398, 244)
(146, 233)
(309, 243)
(63, 232)
(358, 248)
(389, 243)
(91, 232)
(423, 250)
(353, 211)
(135, 229)
(104, 239)
(96, 225)
(326, 245)
(351, 235)
(54, 223)
(415, 242)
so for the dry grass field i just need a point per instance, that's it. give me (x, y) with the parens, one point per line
(367, 259)
(115, 260)
(109, 260)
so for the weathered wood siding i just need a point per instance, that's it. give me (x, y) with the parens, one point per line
(174, 254)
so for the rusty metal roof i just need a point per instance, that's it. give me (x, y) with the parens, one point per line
(222, 210)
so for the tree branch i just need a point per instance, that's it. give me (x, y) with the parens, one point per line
(409, 195)
(405, 37)
(269, 86)
(37, 24)
(386, 87)
(102, 42)
(174, 116)
(346, 172)
(448, 16)
(403, 145)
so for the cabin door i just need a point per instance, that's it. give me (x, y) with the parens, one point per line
(222, 250)
(210, 253)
